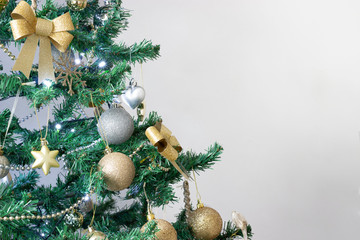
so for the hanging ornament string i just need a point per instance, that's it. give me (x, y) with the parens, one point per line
(45, 159)
(47, 123)
(141, 109)
(150, 215)
(198, 196)
(11, 116)
(142, 75)
(94, 205)
(97, 116)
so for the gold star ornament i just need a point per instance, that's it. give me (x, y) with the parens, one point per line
(45, 159)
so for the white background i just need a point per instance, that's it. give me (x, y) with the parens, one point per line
(277, 83)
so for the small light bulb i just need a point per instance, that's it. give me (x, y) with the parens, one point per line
(102, 64)
(42, 234)
(87, 197)
(47, 83)
(77, 61)
(58, 126)
(73, 130)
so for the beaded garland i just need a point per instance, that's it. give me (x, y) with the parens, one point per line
(75, 205)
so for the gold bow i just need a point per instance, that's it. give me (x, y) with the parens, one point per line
(167, 145)
(26, 24)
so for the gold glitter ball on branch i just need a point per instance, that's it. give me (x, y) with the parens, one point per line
(206, 223)
(76, 5)
(5, 166)
(6, 180)
(3, 4)
(166, 230)
(96, 235)
(68, 72)
(118, 170)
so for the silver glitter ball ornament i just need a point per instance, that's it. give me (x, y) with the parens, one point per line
(116, 125)
(5, 166)
(133, 96)
(86, 206)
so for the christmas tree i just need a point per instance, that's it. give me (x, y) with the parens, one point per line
(106, 156)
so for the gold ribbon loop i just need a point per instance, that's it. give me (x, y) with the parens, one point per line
(167, 145)
(43, 27)
(25, 24)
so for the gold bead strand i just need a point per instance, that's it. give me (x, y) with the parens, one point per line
(136, 150)
(54, 215)
(6, 50)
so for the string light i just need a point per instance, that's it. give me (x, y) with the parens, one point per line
(58, 126)
(102, 64)
(72, 130)
(47, 83)
(87, 197)
(77, 61)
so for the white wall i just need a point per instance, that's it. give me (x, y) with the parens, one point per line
(277, 83)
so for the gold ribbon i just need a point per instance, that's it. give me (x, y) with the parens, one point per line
(167, 145)
(26, 24)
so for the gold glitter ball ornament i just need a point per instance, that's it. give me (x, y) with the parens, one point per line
(96, 235)
(166, 230)
(206, 223)
(118, 170)
(3, 4)
(76, 5)
(4, 166)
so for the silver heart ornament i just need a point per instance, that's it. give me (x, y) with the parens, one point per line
(133, 96)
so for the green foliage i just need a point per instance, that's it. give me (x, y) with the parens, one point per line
(25, 196)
